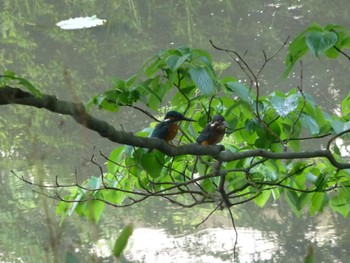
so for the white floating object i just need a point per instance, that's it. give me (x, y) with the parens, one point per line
(81, 22)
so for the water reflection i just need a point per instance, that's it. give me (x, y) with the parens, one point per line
(216, 244)
(209, 245)
(167, 234)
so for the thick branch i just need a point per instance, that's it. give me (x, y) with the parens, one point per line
(9, 95)
(227, 156)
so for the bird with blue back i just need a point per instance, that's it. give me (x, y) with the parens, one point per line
(168, 128)
(214, 132)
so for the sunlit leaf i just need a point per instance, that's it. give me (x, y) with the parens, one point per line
(262, 198)
(112, 196)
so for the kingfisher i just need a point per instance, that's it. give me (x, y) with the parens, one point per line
(167, 128)
(214, 132)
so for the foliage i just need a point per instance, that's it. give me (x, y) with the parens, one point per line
(122, 240)
(11, 76)
(328, 40)
(279, 123)
(39, 51)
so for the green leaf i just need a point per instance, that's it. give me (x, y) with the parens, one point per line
(303, 199)
(208, 185)
(318, 201)
(318, 41)
(284, 106)
(112, 196)
(240, 89)
(346, 42)
(296, 50)
(122, 240)
(76, 202)
(293, 201)
(175, 61)
(157, 100)
(310, 124)
(30, 87)
(150, 68)
(202, 80)
(339, 126)
(94, 210)
(94, 183)
(331, 53)
(340, 204)
(203, 57)
(252, 126)
(345, 105)
(153, 163)
(262, 198)
(113, 159)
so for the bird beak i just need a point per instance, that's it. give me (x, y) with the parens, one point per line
(187, 119)
(225, 124)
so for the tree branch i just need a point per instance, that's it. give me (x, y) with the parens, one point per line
(9, 95)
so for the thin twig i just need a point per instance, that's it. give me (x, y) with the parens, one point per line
(207, 217)
(234, 228)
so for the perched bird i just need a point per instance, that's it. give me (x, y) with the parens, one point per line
(214, 132)
(167, 128)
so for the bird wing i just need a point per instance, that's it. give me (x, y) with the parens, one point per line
(161, 130)
(205, 134)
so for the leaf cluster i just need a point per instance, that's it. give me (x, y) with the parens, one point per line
(329, 40)
(185, 79)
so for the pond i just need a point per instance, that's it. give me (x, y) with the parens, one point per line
(77, 64)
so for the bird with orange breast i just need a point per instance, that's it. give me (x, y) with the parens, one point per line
(168, 128)
(214, 132)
